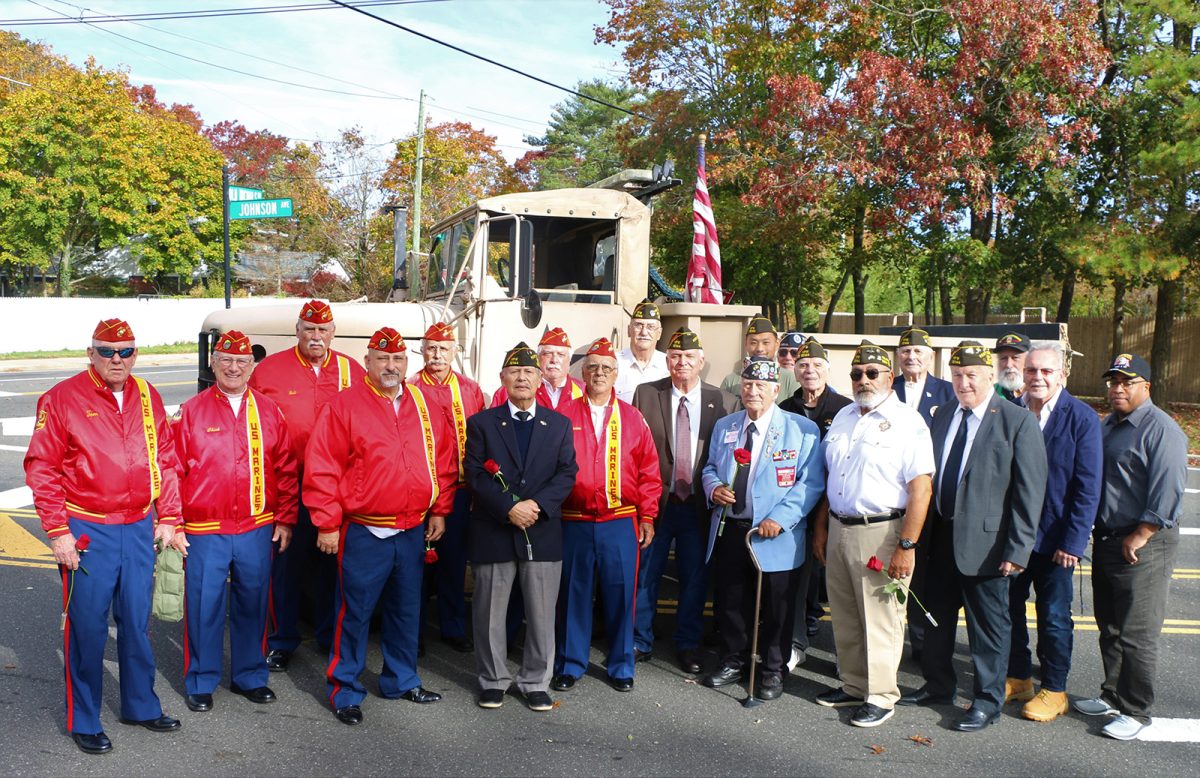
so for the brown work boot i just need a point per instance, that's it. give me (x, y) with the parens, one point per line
(1018, 689)
(1046, 706)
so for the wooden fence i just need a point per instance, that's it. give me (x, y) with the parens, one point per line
(1092, 335)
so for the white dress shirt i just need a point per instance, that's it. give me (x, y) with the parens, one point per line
(973, 422)
(631, 375)
(693, 406)
(514, 410)
(387, 532)
(1047, 408)
(914, 392)
(871, 458)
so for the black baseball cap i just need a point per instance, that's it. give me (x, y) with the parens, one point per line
(1130, 366)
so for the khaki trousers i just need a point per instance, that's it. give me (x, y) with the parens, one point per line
(868, 624)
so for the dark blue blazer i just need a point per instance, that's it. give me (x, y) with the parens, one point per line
(546, 476)
(938, 392)
(1075, 452)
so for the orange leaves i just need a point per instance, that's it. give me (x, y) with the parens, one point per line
(921, 740)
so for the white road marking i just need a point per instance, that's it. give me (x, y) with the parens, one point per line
(1189, 530)
(1192, 491)
(18, 449)
(1172, 731)
(20, 497)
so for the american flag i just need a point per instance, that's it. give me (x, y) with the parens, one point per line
(704, 269)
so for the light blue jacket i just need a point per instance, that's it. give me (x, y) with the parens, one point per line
(788, 482)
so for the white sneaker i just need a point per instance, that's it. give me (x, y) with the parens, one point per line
(1096, 706)
(797, 658)
(1123, 728)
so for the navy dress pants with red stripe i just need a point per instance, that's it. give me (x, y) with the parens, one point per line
(607, 550)
(245, 560)
(120, 577)
(373, 570)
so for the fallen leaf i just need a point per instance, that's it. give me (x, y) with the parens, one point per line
(690, 680)
(10, 667)
(758, 721)
(548, 740)
(921, 740)
(557, 704)
(876, 749)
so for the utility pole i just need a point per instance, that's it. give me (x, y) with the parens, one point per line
(416, 211)
(225, 219)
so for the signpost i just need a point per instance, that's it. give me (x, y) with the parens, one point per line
(243, 202)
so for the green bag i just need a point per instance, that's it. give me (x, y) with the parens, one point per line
(167, 602)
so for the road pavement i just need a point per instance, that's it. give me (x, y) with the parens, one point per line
(669, 725)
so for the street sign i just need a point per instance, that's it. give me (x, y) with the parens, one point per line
(261, 209)
(242, 193)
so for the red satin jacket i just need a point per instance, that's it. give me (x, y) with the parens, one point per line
(224, 491)
(90, 460)
(634, 485)
(367, 464)
(289, 380)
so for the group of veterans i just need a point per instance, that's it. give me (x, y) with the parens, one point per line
(905, 499)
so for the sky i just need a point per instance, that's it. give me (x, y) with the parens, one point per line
(553, 39)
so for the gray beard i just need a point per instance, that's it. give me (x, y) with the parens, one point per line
(1010, 381)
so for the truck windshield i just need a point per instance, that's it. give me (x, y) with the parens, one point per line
(574, 260)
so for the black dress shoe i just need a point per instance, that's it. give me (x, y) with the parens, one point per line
(351, 714)
(771, 688)
(199, 702)
(690, 662)
(491, 698)
(622, 684)
(642, 656)
(723, 677)
(160, 724)
(421, 696)
(562, 682)
(974, 720)
(538, 701)
(925, 697)
(261, 695)
(869, 715)
(92, 744)
(839, 698)
(277, 660)
(460, 643)
(813, 628)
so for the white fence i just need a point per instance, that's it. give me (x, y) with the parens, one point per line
(52, 323)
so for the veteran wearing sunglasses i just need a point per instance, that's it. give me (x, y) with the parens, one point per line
(101, 464)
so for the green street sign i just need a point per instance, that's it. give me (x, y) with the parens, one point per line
(261, 209)
(242, 193)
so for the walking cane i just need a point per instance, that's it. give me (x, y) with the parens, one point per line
(750, 701)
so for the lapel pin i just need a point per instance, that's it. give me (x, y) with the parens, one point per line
(542, 422)
(993, 410)
(503, 424)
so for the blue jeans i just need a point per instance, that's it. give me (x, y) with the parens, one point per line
(1055, 629)
(690, 533)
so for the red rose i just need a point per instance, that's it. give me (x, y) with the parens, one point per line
(874, 564)
(491, 466)
(430, 556)
(82, 544)
(741, 456)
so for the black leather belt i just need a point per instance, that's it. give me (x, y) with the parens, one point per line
(874, 518)
(1119, 532)
(738, 523)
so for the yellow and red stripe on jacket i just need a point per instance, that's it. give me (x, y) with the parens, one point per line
(618, 474)
(368, 464)
(458, 398)
(237, 470)
(88, 459)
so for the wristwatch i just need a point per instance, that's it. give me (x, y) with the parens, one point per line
(907, 544)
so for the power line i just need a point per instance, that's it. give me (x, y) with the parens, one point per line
(226, 67)
(153, 16)
(482, 58)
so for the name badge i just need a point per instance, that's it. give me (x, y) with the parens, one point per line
(785, 476)
(731, 436)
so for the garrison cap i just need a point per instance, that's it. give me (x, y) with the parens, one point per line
(113, 331)
(684, 340)
(970, 352)
(233, 342)
(387, 340)
(521, 355)
(761, 369)
(868, 353)
(915, 336)
(646, 309)
(811, 350)
(440, 331)
(556, 336)
(603, 347)
(759, 325)
(316, 312)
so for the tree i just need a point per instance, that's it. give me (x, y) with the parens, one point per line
(83, 170)
(581, 146)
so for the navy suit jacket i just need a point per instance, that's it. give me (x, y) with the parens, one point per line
(1075, 453)
(938, 392)
(546, 476)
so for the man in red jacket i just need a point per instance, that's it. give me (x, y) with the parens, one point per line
(607, 519)
(239, 496)
(301, 381)
(557, 387)
(380, 460)
(101, 464)
(459, 398)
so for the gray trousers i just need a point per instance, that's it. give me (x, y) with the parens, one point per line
(493, 588)
(1130, 603)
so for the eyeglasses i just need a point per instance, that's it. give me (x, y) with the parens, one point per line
(107, 352)
(1112, 382)
(788, 352)
(228, 361)
(601, 369)
(871, 373)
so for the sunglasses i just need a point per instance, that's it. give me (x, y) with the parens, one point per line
(871, 373)
(107, 351)
(785, 352)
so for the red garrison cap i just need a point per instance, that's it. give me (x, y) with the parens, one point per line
(439, 331)
(316, 312)
(602, 348)
(113, 331)
(555, 337)
(233, 342)
(387, 340)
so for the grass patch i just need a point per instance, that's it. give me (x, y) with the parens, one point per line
(183, 347)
